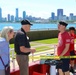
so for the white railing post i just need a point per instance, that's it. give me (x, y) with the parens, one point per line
(32, 57)
(54, 49)
(13, 59)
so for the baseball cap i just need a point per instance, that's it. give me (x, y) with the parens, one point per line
(72, 28)
(63, 23)
(25, 22)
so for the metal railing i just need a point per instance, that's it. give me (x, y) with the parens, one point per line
(13, 55)
(31, 56)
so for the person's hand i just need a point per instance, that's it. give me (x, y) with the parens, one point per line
(56, 58)
(33, 50)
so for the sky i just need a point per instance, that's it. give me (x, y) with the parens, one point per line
(37, 8)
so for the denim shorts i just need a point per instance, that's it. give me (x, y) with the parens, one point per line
(64, 66)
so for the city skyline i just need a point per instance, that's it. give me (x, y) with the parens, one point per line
(16, 18)
(26, 14)
(38, 8)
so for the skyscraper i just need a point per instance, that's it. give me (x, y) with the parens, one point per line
(52, 15)
(0, 14)
(60, 14)
(12, 18)
(71, 16)
(8, 16)
(17, 13)
(24, 15)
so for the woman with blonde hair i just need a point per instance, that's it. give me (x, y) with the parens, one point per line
(6, 34)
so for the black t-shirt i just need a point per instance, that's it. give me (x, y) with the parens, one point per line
(21, 39)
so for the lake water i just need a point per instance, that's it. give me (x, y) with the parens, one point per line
(17, 26)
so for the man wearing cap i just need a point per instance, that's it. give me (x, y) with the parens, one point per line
(22, 47)
(63, 48)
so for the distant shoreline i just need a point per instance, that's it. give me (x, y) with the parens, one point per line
(52, 22)
(36, 26)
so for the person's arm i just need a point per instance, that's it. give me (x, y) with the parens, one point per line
(25, 50)
(21, 41)
(65, 49)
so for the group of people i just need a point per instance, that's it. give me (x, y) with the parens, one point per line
(22, 47)
(65, 48)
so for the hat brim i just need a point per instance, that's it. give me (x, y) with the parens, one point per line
(63, 23)
(31, 24)
(28, 24)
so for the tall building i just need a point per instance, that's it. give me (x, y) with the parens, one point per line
(17, 13)
(53, 16)
(0, 14)
(71, 16)
(12, 18)
(60, 14)
(9, 17)
(74, 17)
(64, 17)
(24, 15)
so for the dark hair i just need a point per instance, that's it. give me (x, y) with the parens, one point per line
(72, 28)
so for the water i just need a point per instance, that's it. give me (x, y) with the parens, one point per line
(17, 26)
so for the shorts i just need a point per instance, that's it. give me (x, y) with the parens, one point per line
(72, 53)
(64, 66)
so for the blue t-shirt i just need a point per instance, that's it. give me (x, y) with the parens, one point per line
(4, 52)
